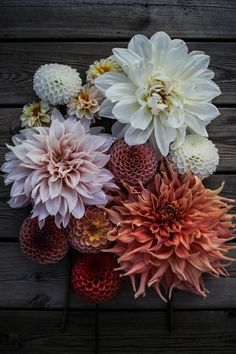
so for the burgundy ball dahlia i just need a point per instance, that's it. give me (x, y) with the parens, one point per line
(94, 278)
(90, 233)
(132, 164)
(46, 245)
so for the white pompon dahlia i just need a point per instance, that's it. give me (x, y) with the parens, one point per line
(56, 83)
(197, 154)
(60, 169)
(163, 91)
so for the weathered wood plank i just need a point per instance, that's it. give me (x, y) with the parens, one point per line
(11, 219)
(146, 333)
(24, 284)
(39, 332)
(222, 129)
(16, 75)
(119, 332)
(116, 19)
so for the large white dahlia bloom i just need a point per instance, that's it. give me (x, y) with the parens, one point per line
(162, 92)
(59, 169)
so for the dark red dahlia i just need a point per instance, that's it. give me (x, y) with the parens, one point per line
(132, 164)
(48, 245)
(94, 277)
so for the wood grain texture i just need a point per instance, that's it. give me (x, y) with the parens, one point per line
(123, 332)
(17, 75)
(39, 332)
(195, 332)
(116, 19)
(24, 284)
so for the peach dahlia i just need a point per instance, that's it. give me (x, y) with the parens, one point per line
(170, 232)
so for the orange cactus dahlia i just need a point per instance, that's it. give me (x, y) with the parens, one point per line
(170, 232)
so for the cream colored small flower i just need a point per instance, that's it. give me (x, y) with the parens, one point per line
(86, 104)
(197, 154)
(100, 67)
(35, 114)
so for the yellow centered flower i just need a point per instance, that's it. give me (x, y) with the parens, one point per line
(35, 115)
(100, 67)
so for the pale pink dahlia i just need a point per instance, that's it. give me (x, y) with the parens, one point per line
(171, 232)
(132, 164)
(60, 169)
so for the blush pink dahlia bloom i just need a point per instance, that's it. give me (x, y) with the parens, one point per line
(60, 169)
(171, 232)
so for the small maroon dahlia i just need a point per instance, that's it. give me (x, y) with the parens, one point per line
(132, 164)
(46, 245)
(94, 277)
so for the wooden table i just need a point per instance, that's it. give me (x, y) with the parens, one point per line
(76, 32)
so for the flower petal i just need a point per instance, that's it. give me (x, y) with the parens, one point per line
(136, 136)
(141, 118)
(121, 91)
(103, 82)
(141, 45)
(124, 109)
(164, 136)
(204, 111)
(196, 124)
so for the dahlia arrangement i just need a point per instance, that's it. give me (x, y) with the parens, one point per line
(131, 203)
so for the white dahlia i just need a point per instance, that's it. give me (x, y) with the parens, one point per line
(86, 103)
(162, 91)
(197, 154)
(56, 83)
(60, 169)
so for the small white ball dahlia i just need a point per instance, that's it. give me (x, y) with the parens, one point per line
(56, 83)
(197, 154)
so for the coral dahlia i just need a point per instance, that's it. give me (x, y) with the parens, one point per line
(60, 169)
(94, 277)
(132, 164)
(46, 245)
(90, 233)
(171, 232)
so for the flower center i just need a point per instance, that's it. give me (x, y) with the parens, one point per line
(92, 231)
(161, 95)
(58, 165)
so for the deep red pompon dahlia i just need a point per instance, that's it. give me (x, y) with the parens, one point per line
(94, 278)
(131, 164)
(48, 245)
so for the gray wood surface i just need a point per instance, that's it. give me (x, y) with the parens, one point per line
(126, 332)
(102, 19)
(20, 60)
(76, 32)
(30, 332)
(24, 284)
